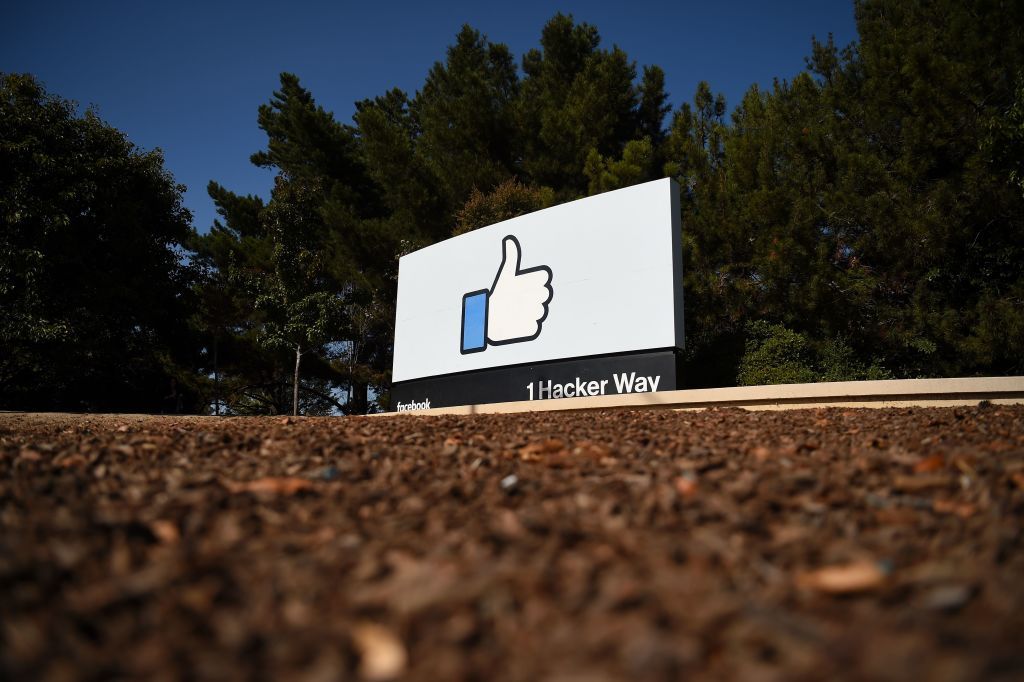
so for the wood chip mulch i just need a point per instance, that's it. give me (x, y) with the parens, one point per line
(644, 545)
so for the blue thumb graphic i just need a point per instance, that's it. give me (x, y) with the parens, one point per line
(474, 321)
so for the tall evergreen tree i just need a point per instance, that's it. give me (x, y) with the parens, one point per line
(575, 97)
(465, 117)
(280, 260)
(862, 203)
(932, 214)
(256, 266)
(414, 198)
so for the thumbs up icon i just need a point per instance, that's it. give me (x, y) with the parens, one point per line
(514, 308)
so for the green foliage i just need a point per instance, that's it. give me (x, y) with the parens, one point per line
(267, 299)
(299, 309)
(414, 198)
(93, 292)
(576, 97)
(465, 114)
(839, 362)
(1005, 142)
(508, 200)
(774, 354)
(636, 165)
(864, 199)
(310, 275)
(304, 140)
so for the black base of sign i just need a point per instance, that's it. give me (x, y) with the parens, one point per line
(581, 377)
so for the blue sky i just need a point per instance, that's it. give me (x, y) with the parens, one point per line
(187, 77)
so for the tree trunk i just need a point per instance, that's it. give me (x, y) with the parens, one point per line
(360, 400)
(216, 380)
(351, 375)
(295, 381)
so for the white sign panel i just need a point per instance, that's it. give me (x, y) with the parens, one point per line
(597, 276)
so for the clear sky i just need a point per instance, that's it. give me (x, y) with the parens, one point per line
(188, 76)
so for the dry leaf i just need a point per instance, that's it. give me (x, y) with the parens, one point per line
(591, 449)
(966, 468)
(962, 509)
(29, 455)
(858, 576)
(685, 486)
(165, 531)
(930, 464)
(536, 451)
(270, 486)
(382, 655)
(921, 482)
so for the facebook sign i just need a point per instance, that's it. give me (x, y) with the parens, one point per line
(576, 300)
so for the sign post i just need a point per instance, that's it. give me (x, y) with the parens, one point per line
(581, 299)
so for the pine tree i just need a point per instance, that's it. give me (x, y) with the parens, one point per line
(574, 98)
(465, 117)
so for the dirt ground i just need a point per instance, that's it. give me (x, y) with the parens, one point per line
(809, 544)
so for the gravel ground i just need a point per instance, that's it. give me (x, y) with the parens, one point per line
(809, 544)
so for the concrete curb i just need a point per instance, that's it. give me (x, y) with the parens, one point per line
(889, 393)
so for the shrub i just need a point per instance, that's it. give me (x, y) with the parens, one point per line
(775, 354)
